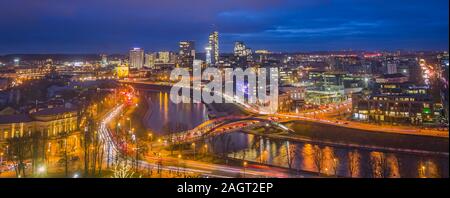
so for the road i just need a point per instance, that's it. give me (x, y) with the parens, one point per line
(323, 116)
(173, 164)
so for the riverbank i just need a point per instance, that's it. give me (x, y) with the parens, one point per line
(307, 132)
(404, 130)
(379, 128)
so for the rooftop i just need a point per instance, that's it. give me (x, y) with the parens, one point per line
(53, 111)
(16, 118)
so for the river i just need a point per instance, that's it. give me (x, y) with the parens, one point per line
(302, 156)
(163, 113)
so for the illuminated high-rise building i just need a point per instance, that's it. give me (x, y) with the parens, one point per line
(187, 48)
(208, 55)
(163, 57)
(213, 47)
(137, 58)
(16, 62)
(186, 53)
(240, 49)
(104, 62)
(150, 59)
(444, 64)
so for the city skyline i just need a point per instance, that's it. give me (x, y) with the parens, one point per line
(286, 26)
(224, 89)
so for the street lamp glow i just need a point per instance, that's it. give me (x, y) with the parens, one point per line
(41, 169)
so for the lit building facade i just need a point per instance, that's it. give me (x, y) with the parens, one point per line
(241, 50)
(150, 59)
(163, 57)
(50, 122)
(122, 71)
(187, 53)
(444, 64)
(136, 58)
(213, 48)
(396, 103)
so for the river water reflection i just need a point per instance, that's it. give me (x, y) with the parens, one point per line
(163, 112)
(296, 155)
(330, 160)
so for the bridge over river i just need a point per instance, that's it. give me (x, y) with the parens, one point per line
(227, 124)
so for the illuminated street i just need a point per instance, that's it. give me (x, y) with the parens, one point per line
(224, 89)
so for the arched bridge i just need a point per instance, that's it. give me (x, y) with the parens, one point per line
(222, 125)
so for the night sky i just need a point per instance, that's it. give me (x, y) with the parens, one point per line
(114, 26)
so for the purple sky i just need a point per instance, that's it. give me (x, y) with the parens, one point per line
(86, 26)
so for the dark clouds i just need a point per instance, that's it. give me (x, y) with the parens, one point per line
(282, 25)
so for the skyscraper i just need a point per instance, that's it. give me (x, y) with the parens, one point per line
(239, 48)
(104, 61)
(444, 64)
(242, 53)
(163, 57)
(136, 58)
(213, 47)
(390, 64)
(208, 55)
(150, 59)
(187, 53)
(187, 48)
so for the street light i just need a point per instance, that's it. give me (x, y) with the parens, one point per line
(129, 119)
(41, 169)
(179, 158)
(245, 166)
(193, 144)
(150, 137)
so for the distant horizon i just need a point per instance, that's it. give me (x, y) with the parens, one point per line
(231, 52)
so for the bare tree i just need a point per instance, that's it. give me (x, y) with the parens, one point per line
(353, 162)
(379, 165)
(171, 129)
(318, 158)
(122, 170)
(334, 164)
(63, 141)
(38, 141)
(291, 152)
(93, 148)
(19, 150)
